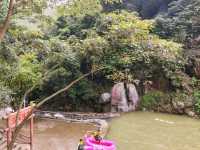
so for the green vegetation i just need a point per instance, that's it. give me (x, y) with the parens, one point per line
(4, 9)
(151, 100)
(197, 101)
(181, 22)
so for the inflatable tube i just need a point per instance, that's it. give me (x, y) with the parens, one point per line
(102, 145)
(88, 148)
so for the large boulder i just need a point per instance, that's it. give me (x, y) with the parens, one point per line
(190, 112)
(4, 112)
(105, 98)
(119, 99)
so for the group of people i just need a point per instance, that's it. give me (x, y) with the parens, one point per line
(95, 134)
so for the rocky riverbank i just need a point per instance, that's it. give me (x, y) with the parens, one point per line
(177, 107)
(98, 119)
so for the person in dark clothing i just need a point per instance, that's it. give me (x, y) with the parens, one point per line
(81, 145)
(97, 136)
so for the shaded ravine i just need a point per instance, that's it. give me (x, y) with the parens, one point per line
(154, 131)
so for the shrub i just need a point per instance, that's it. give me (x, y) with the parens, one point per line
(197, 101)
(151, 99)
(5, 96)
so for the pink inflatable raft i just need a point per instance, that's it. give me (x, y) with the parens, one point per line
(92, 144)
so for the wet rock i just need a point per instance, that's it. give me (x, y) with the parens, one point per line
(190, 112)
(59, 116)
(4, 112)
(124, 99)
(189, 103)
(105, 98)
(165, 108)
(47, 115)
(180, 105)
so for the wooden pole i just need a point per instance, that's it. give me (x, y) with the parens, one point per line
(31, 133)
(9, 133)
(4, 28)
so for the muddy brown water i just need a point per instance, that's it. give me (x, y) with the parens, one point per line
(132, 131)
(154, 131)
(57, 135)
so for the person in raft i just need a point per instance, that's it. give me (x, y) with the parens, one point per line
(97, 136)
(81, 145)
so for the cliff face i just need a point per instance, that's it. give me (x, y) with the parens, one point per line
(146, 8)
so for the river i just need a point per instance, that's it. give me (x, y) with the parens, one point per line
(154, 131)
(132, 131)
(56, 135)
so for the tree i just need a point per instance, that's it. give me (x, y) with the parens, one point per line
(181, 21)
(5, 96)
(8, 8)
(146, 9)
(5, 25)
(121, 41)
(18, 127)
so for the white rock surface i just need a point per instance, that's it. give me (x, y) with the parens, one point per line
(58, 115)
(5, 111)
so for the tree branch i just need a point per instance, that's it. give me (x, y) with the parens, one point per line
(6, 23)
(19, 127)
